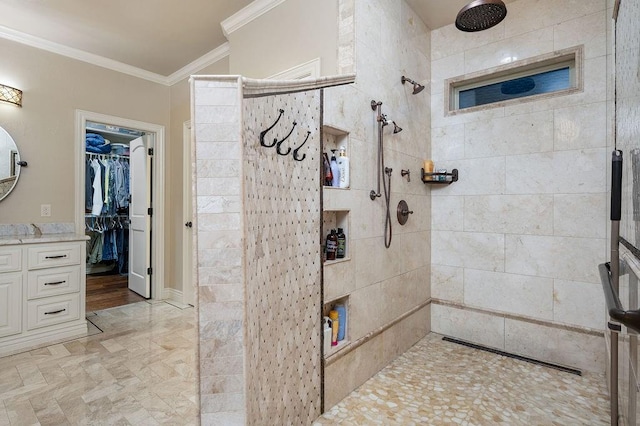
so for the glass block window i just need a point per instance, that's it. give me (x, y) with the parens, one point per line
(555, 75)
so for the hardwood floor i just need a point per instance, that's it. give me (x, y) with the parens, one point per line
(108, 291)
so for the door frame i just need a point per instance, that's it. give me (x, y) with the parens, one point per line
(157, 186)
(188, 234)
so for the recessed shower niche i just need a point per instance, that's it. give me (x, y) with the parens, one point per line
(333, 141)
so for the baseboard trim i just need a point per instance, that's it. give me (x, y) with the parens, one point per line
(172, 294)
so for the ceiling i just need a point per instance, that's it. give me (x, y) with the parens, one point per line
(158, 36)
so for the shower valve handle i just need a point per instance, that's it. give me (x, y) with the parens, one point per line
(406, 212)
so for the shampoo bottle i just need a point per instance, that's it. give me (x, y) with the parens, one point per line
(327, 329)
(342, 244)
(332, 245)
(328, 176)
(342, 320)
(334, 327)
(335, 170)
(343, 166)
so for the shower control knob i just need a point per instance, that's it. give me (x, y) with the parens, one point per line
(403, 212)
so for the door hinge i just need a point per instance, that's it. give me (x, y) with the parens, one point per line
(150, 151)
(149, 271)
(150, 211)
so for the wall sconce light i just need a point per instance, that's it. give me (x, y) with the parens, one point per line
(11, 95)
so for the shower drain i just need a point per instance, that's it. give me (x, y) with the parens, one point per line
(514, 356)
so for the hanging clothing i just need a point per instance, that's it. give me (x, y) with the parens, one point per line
(96, 208)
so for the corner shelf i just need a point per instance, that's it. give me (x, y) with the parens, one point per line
(449, 178)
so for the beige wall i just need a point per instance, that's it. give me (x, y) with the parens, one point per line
(44, 128)
(180, 112)
(288, 35)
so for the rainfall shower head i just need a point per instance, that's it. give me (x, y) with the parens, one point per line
(481, 15)
(417, 87)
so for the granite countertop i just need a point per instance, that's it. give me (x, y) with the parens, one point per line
(6, 240)
(34, 233)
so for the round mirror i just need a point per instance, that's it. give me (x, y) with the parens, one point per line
(9, 168)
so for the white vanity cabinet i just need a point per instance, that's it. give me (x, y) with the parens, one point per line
(42, 291)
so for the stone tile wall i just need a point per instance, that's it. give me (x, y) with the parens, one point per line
(516, 242)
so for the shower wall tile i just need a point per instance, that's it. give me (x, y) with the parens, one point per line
(533, 174)
(226, 134)
(565, 347)
(590, 223)
(519, 47)
(449, 40)
(515, 294)
(509, 214)
(374, 263)
(443, 69)
(573, 303)
(589, 30)
(447, 143)
(382, 283)
(510, 135)
(447, 213)
(555, 257)
(447, 283)
(558, 172)
(366, 310)
(339, 280)
(469, 325)
(529, 15)
(468, 249)
(581, 126)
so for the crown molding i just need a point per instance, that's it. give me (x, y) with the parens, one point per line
(309, 69)
(252, 11)
(80, 55)
(205, 60)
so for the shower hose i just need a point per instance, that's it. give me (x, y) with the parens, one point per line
(387, 199)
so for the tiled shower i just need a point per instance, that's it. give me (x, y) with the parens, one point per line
(506, 257)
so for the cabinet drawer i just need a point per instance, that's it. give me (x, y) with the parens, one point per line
(10, 260)
(52, 310)
(50, 282)
(47, 256)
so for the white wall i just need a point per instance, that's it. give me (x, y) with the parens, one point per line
(516, 242)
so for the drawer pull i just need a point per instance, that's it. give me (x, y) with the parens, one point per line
(55, 283)
(55, 312)
(59, 256)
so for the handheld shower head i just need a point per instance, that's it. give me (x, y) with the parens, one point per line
(417, 87)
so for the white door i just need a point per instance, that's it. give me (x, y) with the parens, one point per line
(188, 249)
(140, 216)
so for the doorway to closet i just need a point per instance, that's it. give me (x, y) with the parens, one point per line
(119, 205)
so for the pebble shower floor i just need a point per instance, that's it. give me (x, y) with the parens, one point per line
(438, 382)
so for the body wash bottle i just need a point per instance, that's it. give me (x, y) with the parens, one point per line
(343, 166)
(335, 170)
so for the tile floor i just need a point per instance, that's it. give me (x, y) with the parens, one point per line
(438, 382)
(139, 371)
